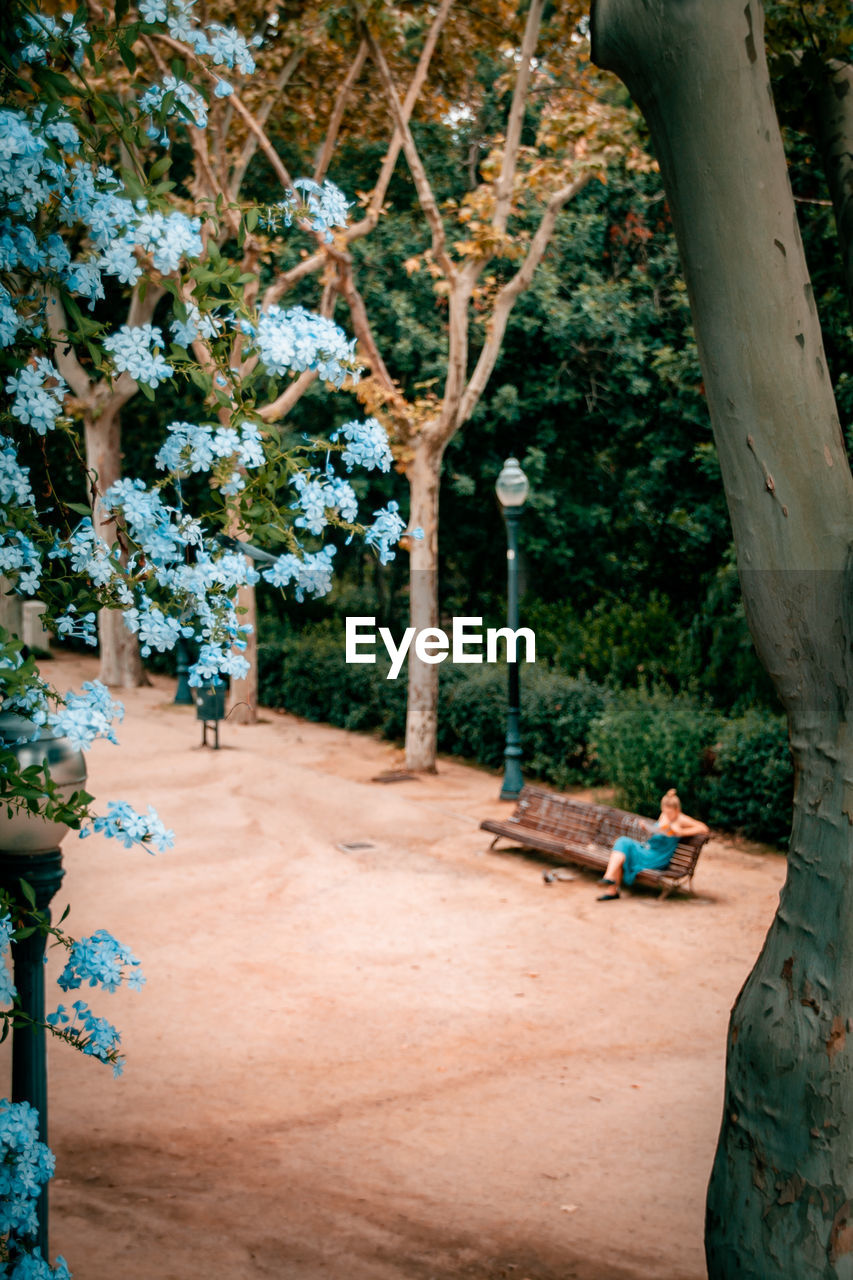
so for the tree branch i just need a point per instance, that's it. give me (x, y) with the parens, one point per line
(503, 192)
(508, 295)
(325, 157)
(64, 354)
(239, 106)
(361, 323)
(377, 198)
(424, 191)
(238, 171)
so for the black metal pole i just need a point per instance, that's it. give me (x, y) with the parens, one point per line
(183, 693)
(44, 872)
(513, 781)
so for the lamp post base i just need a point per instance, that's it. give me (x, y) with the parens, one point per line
(43, 872)
(513, 780)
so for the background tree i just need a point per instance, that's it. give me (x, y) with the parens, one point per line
(779, 1200)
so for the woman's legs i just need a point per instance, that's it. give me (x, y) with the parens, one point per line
(613, 876)
(614, 867)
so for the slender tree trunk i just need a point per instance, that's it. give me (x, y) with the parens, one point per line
(779, 1203)
(835, 139)
(423, 474)
(243, 694)
(121, 665)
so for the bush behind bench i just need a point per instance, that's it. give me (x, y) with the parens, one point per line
(734, 772)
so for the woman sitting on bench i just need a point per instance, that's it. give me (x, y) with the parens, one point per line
(630, 856)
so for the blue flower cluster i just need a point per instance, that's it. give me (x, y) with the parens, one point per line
(195, 326)
(291, 340)
(84, 717)
(135, 350)
(25, 1166)
(122, 822)
(321, 207)
(180, 94)
(88, 554)
(15, 489)
(223, 46)
(202, 592)
(45, 30)
(367, 445)
(199, 447)
(385, 531)
(96, 1037)
(71, 625)
(310, 574)
(19, 558)
(321, 493)
(7, 986)
(39, 392)
(100, 961)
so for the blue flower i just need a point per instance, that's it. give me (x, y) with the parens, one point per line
(367, 445)
(39, 391)
(131, 349)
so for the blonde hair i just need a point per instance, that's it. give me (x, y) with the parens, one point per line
(671, 800)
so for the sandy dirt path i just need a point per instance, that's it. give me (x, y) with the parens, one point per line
(409, 1061)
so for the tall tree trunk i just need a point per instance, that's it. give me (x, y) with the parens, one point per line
(835, 139)
(121, 665)
(423, 474)
(779, 1203)
(243, 694)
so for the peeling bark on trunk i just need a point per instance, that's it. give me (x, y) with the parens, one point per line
(121, 665)
(423, 474)
(780, 1202)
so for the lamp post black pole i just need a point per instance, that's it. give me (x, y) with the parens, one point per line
(43, 872)
(183, 692)
(513, 781)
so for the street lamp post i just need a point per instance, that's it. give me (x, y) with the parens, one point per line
(29, 850)
(512, 488)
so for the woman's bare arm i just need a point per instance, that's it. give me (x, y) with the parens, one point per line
(684, 825)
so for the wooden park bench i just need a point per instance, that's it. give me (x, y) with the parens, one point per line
(573, 831)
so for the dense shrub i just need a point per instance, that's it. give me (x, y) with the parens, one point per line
(736, 774)
(306, 674)
(751, 786)
(646, 742)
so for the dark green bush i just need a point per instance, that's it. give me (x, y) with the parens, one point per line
(736, 774)
(751, 786)
(305, 673)
(646, 742)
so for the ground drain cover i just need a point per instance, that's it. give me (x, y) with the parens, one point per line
(398, 775)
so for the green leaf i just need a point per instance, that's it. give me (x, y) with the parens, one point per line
(159, 167)
(128, 57)
(28, 891)
(81, 508)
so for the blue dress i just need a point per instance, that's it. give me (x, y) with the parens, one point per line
(654, 854)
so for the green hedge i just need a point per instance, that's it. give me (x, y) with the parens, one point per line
(305, 673)
(736, 773)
